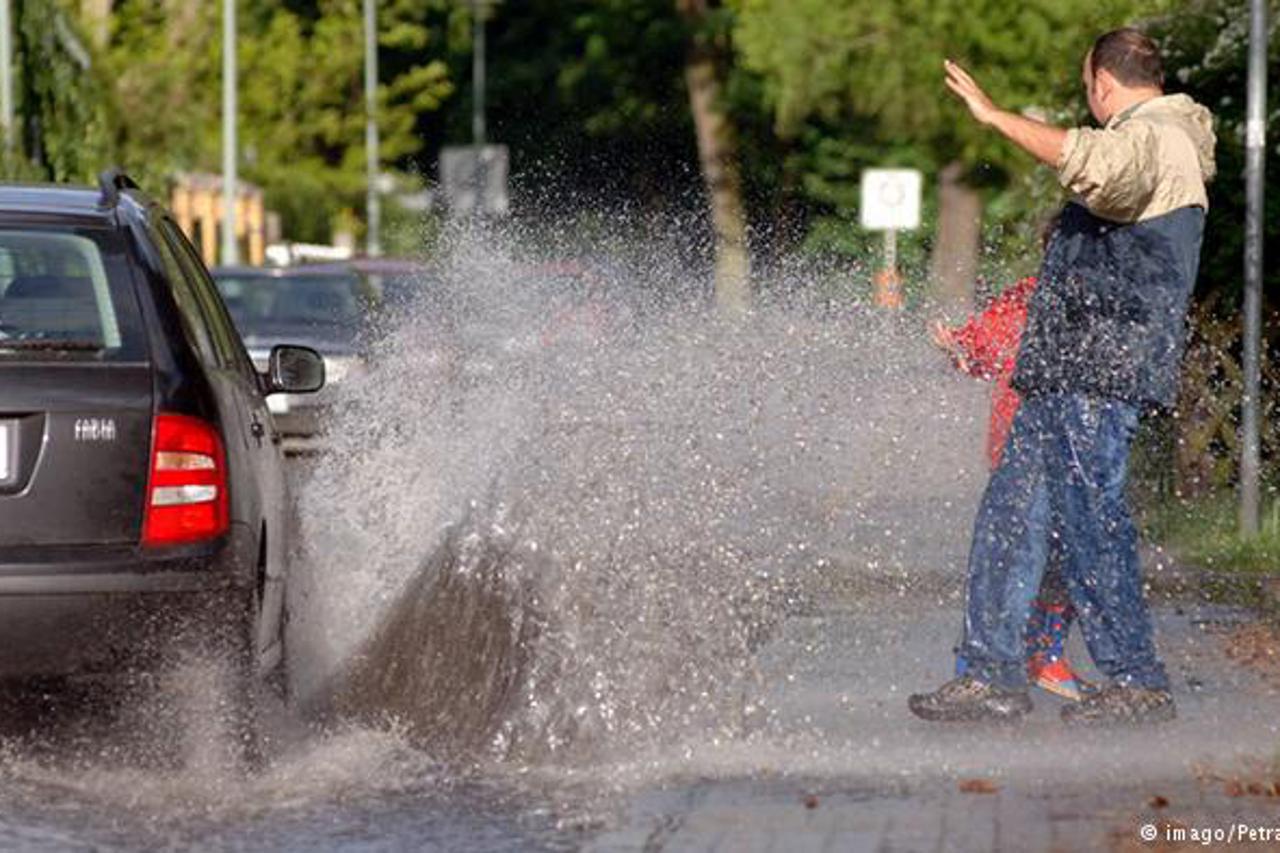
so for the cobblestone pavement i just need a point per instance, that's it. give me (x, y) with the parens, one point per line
(827, 816)
(844, 767)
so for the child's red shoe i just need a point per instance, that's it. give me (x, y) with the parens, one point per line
(1056, 676)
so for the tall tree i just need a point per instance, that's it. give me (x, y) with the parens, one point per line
(593, 98)
(717, 150)
(301, 96)
(63, 99)
(826, 59)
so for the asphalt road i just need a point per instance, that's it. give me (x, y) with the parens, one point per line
(844, 767)
(838, 764)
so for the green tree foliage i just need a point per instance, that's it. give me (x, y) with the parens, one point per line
(62, 100)
(301, 95)
(1206, 50)
(303, 104)
(589, 95)
(165, 58)
(859, 84)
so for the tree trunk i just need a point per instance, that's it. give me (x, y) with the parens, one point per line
(955, 253)
(718, 154)
(96, 15)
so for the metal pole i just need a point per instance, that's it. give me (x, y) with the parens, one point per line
(6, 75)
(230, 250)
(477, 73)
(1255, 148)
(373, 239)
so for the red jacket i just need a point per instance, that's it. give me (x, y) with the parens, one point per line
(989, 343)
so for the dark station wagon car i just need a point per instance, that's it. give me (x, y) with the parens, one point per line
(142, 487)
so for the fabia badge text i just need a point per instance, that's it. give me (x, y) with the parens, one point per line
(95, 429)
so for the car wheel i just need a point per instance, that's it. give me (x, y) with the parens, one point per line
(277, 680)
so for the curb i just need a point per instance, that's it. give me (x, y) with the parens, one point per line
(1270, 588)
(1165, 575)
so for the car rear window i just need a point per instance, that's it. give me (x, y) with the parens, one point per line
(66, 294)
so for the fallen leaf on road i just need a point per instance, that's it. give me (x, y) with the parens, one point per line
(811, 801)
(1159, 802)
(1256, 646)
(978, 786)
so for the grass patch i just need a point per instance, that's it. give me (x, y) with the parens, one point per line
(1206, 532)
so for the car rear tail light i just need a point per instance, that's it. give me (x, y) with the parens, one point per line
(187, 490)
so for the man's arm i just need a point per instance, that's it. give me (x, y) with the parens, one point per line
(1040, 140)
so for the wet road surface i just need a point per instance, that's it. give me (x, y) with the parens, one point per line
(838, 765)
(848, 769)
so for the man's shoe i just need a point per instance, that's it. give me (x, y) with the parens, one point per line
(967, 699)
(1121, 705)
(1057, 677)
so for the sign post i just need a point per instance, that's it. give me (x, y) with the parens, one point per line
(890, 203)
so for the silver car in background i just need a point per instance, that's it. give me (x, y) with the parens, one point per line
(323, 307)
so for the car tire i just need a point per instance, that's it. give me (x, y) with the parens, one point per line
(277, 680)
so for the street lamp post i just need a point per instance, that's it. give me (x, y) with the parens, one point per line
(230, 250)
(373, 241)
(6, 74)
(1255, 148)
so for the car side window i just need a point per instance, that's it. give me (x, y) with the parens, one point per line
(225, 337)
(193, 315)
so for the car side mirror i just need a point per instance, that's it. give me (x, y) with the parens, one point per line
(293, 370)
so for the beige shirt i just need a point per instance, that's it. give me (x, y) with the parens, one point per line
(1151, 159)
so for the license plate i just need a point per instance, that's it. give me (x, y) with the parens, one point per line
(6, 450)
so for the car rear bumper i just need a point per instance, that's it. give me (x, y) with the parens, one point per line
(109, 583)
(96, 634)
(67, 614)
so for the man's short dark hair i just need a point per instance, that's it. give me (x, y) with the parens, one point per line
(1130, 57)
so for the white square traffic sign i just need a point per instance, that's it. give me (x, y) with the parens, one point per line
(890, 199)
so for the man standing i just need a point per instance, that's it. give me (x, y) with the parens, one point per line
(1104, 338)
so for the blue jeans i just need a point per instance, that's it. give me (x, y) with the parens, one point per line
(1063, 474)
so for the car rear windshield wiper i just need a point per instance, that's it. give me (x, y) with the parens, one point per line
(50, 344)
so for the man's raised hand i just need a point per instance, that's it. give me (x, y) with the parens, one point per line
(967, 89)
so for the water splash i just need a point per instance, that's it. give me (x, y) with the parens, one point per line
(568, 502)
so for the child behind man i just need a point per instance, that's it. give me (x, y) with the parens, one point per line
(986, 346)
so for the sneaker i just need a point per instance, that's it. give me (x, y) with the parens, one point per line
(968, 699)
(1057, 677)
(1121, 704)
